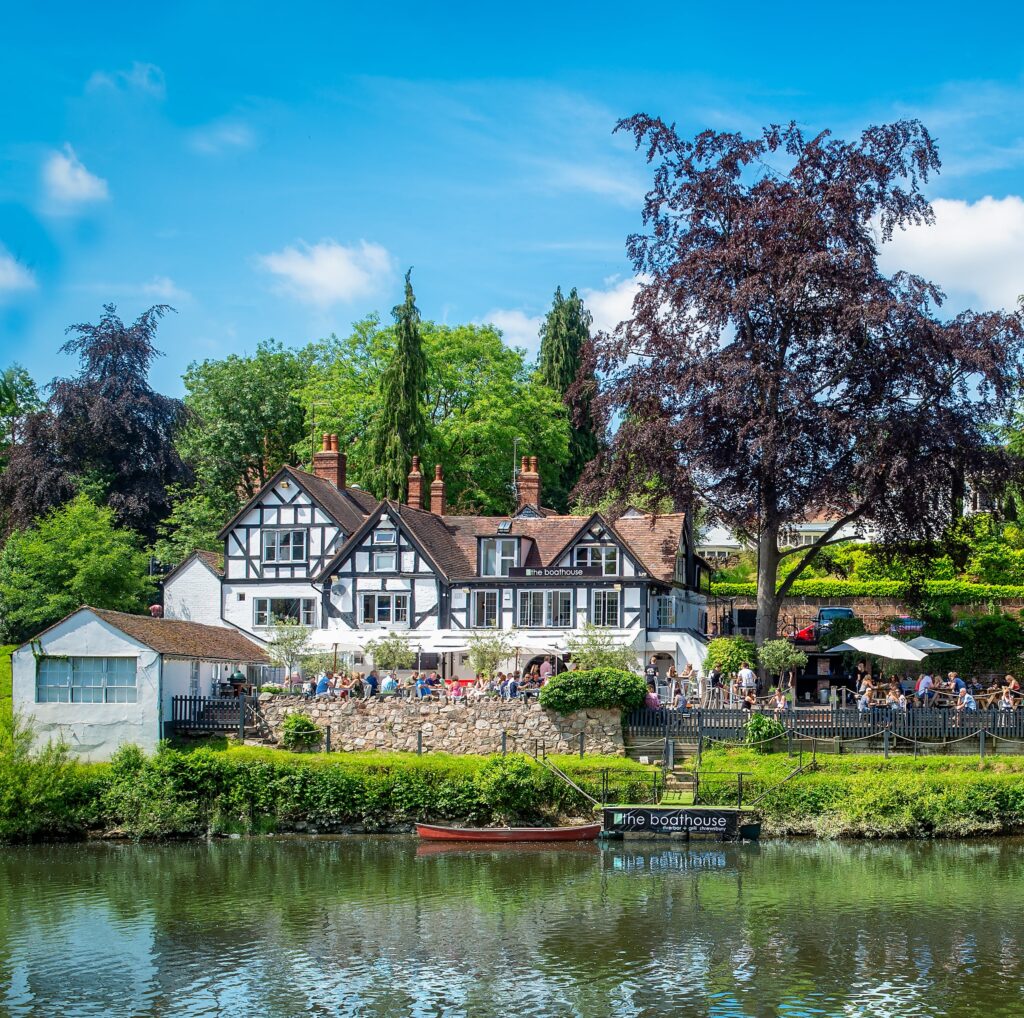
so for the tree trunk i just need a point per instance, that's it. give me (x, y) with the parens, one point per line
(768, 602)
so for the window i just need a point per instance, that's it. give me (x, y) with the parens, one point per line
(484, 609)
(505, 526)
(665, 611)
(599, 556)
(385, 537)
(498, 555)
(267, 610)
(284, 546)
(606, 608)
(193, 678)
(545, 608)
(382, 609)
(385, 561)
(86, 680)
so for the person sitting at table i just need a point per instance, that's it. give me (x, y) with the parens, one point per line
(749, 701)
(390, 685)
(864, 700)
(651, 699)
(1006, 701)
(925, 690)
(421, 687)
(323, 687)
(778, 702)
(308, 689)
(965, 702)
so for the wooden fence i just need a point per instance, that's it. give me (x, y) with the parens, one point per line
(211, 713)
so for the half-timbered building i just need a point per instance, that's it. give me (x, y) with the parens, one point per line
(311, 548)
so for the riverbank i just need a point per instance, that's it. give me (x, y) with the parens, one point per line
(247, 790)
(871, 797)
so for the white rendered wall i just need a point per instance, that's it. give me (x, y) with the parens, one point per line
(193, 594)
(94, 731)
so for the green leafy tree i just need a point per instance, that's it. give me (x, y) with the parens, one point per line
(594, 648)
(245, 419)
(399, 427)
(487, 651)
(778, 656)
(19, 398)
(729, 652)
(391, 651)
(72, 556)
(288, 644)
(563, 337)
(479, 399)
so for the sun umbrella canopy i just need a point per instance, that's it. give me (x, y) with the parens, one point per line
(887, 647)
(930, 646)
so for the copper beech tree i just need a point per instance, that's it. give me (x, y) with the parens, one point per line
(772, 371)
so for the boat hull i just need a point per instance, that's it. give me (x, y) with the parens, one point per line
(583, 832)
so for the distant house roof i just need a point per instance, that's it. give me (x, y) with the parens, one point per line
(176, 638)
(213, 560)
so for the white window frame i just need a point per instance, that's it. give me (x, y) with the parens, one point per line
(94, 680)
(548, 601)
(489, 611)
(385, 537)
(272, 541)
(506, 555)
(377, 556)
(264, 616)
(599, 616)
(398, 604)
(605, 557)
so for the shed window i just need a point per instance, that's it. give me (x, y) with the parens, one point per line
(86, 680)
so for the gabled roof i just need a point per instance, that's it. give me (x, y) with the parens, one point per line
(213, 560)
(177, 638)
(347, 508)
(654, 540)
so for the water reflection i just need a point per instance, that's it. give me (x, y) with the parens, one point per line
(384, 926)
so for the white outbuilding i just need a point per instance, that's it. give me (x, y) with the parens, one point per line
(102, 679)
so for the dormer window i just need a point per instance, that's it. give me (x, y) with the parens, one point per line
(385, 537)
(284, 546)
(598, 556)
(498, 555)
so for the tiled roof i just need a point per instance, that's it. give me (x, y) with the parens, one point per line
(655, 540)
(177, 638)
(214, 559)
(345, 509)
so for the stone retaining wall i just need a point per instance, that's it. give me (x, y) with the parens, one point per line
(461, 728)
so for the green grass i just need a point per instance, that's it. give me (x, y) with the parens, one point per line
(5, 681)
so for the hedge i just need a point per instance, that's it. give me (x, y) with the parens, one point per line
(958, 590)
(595, 688)
(202, 792)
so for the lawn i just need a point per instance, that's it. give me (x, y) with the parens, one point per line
(5, 681)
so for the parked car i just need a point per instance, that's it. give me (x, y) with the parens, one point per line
(821, 625)
(905, 624)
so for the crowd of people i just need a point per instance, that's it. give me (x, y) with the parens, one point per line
(513, 685)
(691, 689)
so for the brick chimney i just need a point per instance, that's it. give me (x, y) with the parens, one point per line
(415, 498)
(529, 482)
(437, 504)
(329, 463)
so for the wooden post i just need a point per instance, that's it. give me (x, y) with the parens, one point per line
(327, 738)
(419, 743)
(581, 745)
(981, 744)
(504, 743)
(739, 790)
(241, 717)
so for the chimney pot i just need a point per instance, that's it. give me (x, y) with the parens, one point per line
(415, 485)
(325, 444)
(437, 501)
(329, 463)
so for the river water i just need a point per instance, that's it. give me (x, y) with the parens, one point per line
(383, 926)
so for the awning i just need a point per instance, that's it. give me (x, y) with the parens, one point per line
(683, 644)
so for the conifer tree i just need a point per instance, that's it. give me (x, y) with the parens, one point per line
(564, 334)
(400, 429)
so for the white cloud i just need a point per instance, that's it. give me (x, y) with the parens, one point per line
(329, 272)
(142, 77)
(613, 304)
(617, 183)
(14, 277)
(161, 288)
(222, 136)
(974, 252)
(69, 183)
(517, 328)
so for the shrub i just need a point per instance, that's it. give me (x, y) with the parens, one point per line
(506, 788)
(272, 689)
(761, 728)
(778, 656)
(959, 591)
(300, 731)
(594, 647)
(598, 688)
(729, 652)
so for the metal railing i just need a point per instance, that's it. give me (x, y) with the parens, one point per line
(827, 723)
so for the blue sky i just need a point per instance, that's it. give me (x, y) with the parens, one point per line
(271, 170)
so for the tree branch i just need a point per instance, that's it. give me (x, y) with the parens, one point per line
(827, 538)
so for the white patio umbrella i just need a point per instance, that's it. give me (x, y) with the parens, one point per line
(930, 646)
(880, 645)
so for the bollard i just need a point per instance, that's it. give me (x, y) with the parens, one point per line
(327, 739)
(419, 743)
(581, 745)
(885, 742)
(504, 743)
(789, 742)
(981, 743)
(739, 791)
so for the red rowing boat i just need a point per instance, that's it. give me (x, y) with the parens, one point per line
(583, 832)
